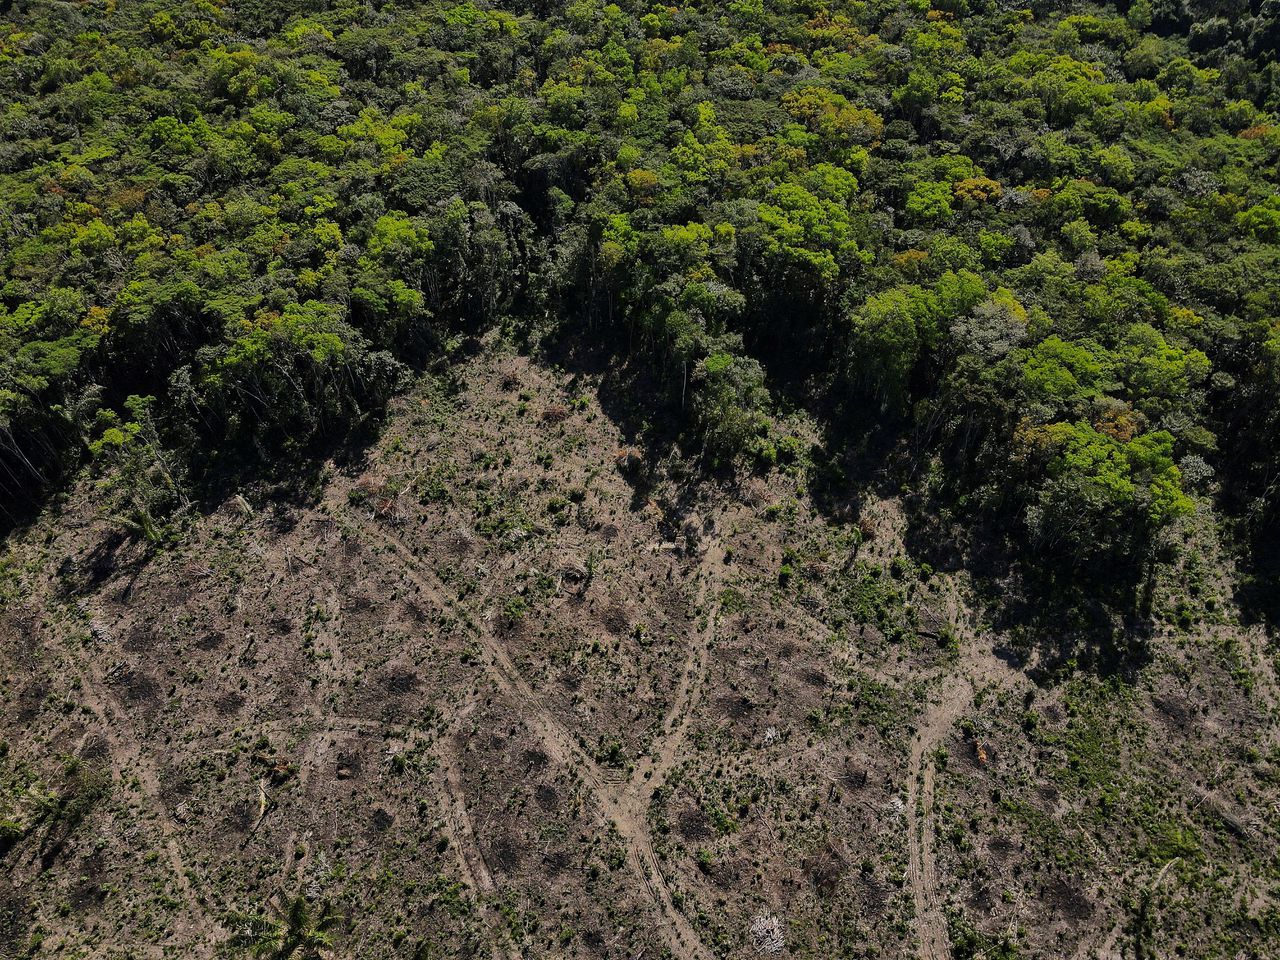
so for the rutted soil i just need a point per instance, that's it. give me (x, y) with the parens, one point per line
(488, 698)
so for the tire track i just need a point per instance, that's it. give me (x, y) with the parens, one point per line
(462, 834)
(460, 830)
(316, 727)
(976, 671)
(560, 744)
(931, 925)
(127, 758)
(675, 724)
(625, 802)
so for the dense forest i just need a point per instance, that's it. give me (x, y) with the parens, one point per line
(1037, 247)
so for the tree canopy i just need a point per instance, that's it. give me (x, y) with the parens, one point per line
(1041, 241)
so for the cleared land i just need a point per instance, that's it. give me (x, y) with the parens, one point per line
(490, 695)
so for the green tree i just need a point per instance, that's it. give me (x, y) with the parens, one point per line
(729, 397)
(295, 932)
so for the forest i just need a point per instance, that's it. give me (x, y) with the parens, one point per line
(1036, 248)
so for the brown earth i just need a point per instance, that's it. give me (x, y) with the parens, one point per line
(488, 699)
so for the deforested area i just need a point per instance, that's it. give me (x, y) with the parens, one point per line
(547, 480)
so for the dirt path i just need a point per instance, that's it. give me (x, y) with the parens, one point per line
(560, 745)
(628, 803)
(940, 717)
(456, 823)
(129, 761)
(654, 767)
(977, 670)
(624, 802)
(461, 833)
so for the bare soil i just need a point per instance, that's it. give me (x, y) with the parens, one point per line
(488, 699)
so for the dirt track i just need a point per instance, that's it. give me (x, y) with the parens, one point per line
(130, 765)
(623, 802)
(976, 670)
(343, 686)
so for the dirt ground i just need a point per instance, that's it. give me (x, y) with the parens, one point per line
(487, 696)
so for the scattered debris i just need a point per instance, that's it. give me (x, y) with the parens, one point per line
(628, 460)
(555, 413)
(767, 934)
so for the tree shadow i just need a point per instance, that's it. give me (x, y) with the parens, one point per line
(292, 476)
(637, 396)
(1059, 614)
(1060, 622)
(20, 511)
(280, 475)
(855, 462)
(1257, 592)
